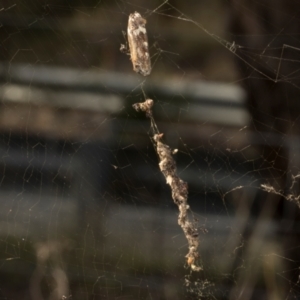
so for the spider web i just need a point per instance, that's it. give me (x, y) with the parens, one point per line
(86, 213)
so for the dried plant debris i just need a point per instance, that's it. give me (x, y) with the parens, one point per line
(291, 194)
(179, 188)
(144, 106)
(138, 44)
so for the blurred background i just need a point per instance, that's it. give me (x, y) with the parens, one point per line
(85, 212)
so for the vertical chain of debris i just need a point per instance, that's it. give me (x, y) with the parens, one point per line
(179, 187)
